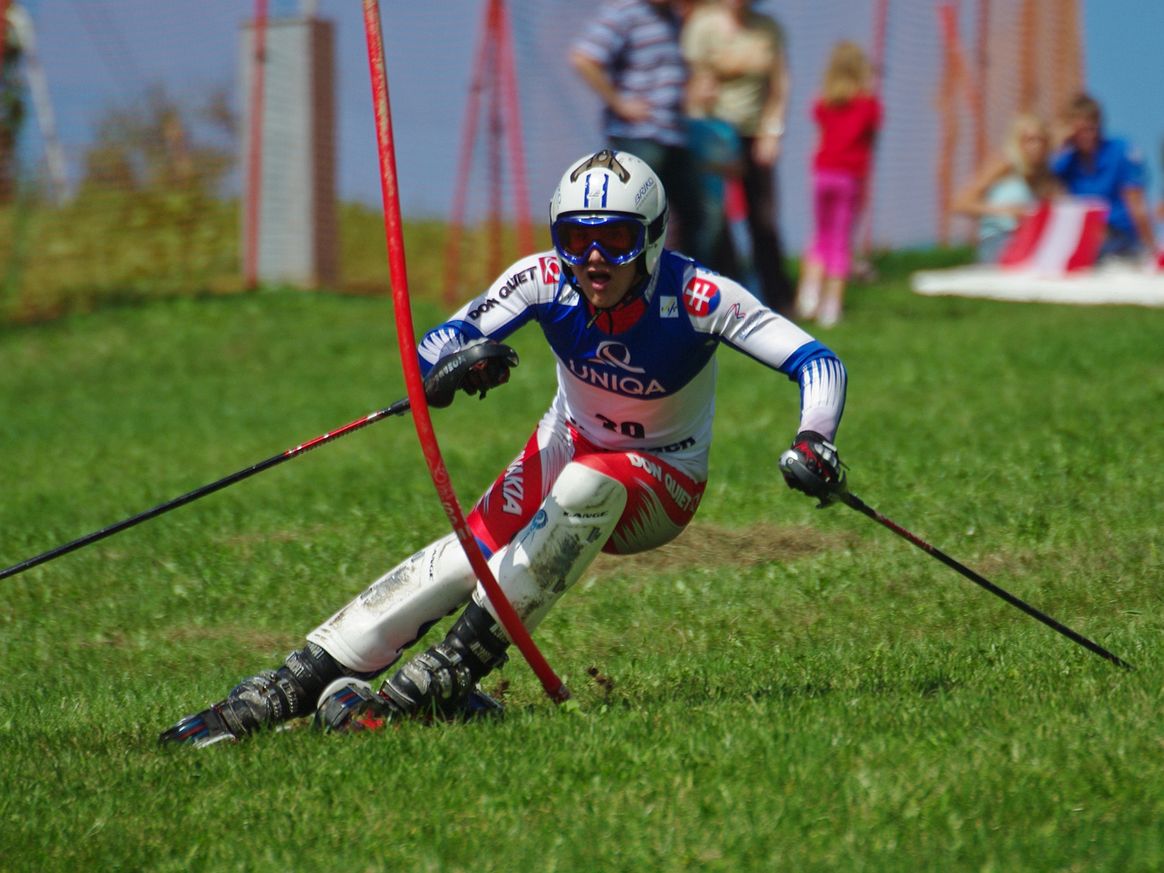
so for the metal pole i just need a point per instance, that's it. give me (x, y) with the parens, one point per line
(255, 147)
(517, 168)
(465, 165)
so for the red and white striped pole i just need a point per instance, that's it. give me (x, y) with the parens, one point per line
(406, 337)
(255, 149)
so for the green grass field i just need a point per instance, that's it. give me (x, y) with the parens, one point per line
(781, 689)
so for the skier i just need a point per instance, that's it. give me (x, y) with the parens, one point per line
(617, 464)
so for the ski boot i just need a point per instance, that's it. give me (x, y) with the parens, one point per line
(262, 701)
(439, 684)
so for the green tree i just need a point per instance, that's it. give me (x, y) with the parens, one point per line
(147, 146)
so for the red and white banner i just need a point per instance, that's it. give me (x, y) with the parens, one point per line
(1060, 236)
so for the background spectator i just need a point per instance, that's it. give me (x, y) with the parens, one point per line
(739, 56)
(848, 116)
(717, 151)
(630, 57)
(716, 147)
(1093, 165)
(1009, 186)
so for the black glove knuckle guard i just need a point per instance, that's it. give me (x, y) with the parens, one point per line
(813, 466)
(473, 368)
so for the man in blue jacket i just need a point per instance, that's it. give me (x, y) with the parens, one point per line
(1093, 165)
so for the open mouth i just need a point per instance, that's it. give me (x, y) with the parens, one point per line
(599, 278)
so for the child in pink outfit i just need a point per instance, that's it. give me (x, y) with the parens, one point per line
(848, 115)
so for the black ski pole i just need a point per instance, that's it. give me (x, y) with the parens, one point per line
(397, 408)
(855, 502)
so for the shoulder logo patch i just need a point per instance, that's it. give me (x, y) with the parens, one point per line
(550, 269)
(700, 297)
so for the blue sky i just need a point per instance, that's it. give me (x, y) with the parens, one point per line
(1124, 58)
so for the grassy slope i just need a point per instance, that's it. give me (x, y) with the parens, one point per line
(784, 688)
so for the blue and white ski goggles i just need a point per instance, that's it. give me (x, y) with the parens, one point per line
(618, 238)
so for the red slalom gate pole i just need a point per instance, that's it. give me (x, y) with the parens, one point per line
(406, 337)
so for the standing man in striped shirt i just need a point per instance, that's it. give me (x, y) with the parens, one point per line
(631, 58)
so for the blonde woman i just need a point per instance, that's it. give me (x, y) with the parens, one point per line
(1009, 186)
(848, 116)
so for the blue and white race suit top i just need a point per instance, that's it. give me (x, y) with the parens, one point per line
(650, 387)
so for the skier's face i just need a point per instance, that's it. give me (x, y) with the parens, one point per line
(602, 283)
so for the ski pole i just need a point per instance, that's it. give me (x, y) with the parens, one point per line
(397, 408)
(854, 502)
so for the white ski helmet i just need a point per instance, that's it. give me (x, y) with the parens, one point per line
(594, 201)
